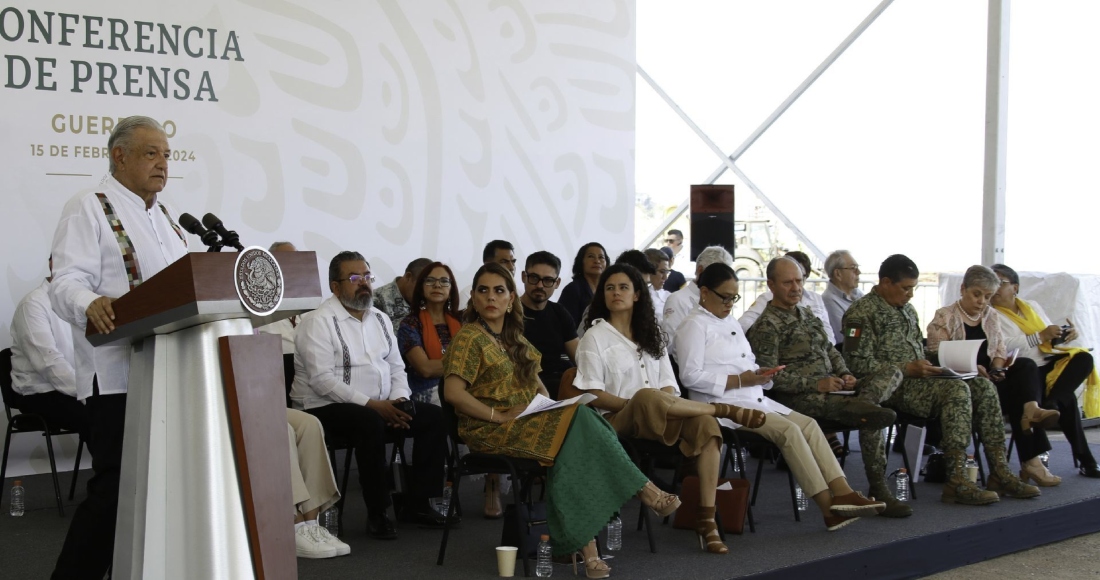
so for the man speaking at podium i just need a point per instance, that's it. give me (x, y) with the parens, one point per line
(106, 244)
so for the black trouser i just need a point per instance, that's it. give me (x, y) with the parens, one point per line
(59, 410)
(1062, 398)
(365, 429)
(90, 544)
(1023, 383)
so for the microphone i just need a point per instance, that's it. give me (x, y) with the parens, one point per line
(193, 226)
(229, 237)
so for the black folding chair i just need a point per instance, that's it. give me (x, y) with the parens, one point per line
(523, 471)
(32, 423)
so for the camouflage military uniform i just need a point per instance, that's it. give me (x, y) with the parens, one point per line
(796, 338)
(388, 299)
(880, 339)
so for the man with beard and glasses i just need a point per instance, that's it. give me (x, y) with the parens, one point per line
(547, 325)
(349, 374)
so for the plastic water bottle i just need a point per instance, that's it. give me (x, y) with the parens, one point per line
(800, 498)
(901, 485)
(971, 469)
(330, 519)
(398, 474)
(615, 534)
(17, 498)
(445, 503)
(544, 567)
(1044, 457)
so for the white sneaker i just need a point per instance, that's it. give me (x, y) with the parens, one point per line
(308, 545)
(324, 536)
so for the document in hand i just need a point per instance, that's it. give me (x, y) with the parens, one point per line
(959, 358)
(541, 403)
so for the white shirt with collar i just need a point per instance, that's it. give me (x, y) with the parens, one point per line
(659, 297)
(608, 361)
(372, 369)
(42, 356)
(809, 298)
(285, 329)
(677, 308)
(712, 349)
(88, 264)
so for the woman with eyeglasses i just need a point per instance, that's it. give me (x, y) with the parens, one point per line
(1062, 369)
(622, 360)
(717, 366)
(423, 335)
(657, 281)
(590, 262)
(491, 375)
(1018, 383)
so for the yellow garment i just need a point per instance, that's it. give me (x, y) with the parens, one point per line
(1030, 323)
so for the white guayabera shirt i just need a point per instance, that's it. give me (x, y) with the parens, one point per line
(88, 263)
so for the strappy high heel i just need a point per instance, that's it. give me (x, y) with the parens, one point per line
(750, 418)
(662, 504)
(707, 530)
(594, 567)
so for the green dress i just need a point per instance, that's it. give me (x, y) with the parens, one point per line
(591, 475)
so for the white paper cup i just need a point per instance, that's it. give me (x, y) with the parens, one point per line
(506, 561)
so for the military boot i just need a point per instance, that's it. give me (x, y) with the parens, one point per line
(894, 508)
(865, 415)
(1002, 481)
(958, 488)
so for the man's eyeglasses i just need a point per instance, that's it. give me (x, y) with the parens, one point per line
(671, 241)
(727, 300)
(441, 282)
(852, 267)
(535, 279)
(358, 278)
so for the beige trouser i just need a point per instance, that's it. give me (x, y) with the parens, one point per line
(804, 447)
(312, 483)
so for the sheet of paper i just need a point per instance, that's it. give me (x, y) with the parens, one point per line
(724, 487)
(960, 356)
(843, 393)
(541, 403)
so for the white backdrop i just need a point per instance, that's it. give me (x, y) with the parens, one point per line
(398, 129)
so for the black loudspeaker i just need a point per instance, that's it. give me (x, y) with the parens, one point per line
(711, 218)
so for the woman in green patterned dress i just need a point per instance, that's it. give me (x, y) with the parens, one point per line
(491, 375)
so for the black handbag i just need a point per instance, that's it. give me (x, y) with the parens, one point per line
(532, 518)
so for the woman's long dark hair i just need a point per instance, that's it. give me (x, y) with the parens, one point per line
(418, 301)
(512, 332)
(578, 262)
(643, 320)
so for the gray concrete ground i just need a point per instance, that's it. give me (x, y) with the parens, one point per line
(1076, 558)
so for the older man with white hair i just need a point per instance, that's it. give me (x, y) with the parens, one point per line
(107, 242)
(843, 289)
(680, 303)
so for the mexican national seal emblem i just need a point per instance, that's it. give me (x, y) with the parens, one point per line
(259, 281)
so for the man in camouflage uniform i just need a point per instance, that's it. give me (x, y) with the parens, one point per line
(883, 346)
(791, 335)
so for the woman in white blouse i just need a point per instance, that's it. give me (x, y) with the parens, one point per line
(1025, 326)
(717, 366)
(622, 360)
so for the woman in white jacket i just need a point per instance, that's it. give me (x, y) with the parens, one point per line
(717, 366)
(1025, 326)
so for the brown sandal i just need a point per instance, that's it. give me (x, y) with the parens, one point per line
(657, 500)
(709, 538)
(750, 418)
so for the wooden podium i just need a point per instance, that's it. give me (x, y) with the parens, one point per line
(205, 482)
